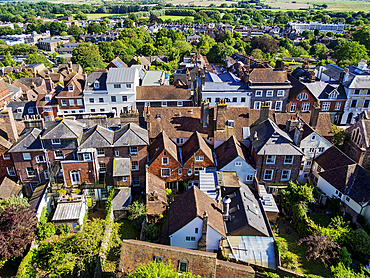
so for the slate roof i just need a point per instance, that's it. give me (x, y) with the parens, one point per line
(78, 83)
(193, 203)
(121, 166)
(25, 105)
(101, 77)
(131, 135)
(224, 82)
(64, 129)
(162, 142)
(333, 71)
(321, 90)
(122, 75)
(29, 82)
(67, 211)
(351, 180)
(266, 75)
(195, 143)
(117, 63)
(97, 137)
(244, 217)
(272, 140)
(163, 92)
(9, 188)
(121, 198)
(358, 82)
(333, 158)
(28, 142)
(229, 150)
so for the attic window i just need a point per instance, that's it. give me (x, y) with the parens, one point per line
(252, 209)
(48, 98)
(248, 197)
(70, 88)
(234, 209)
(96, 85)
(230, 123)
(19, 110)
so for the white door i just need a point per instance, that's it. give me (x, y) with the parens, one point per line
(75, 177)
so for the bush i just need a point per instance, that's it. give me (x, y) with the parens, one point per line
(359, 241)
(344, 257)
(26, 268)
(64, 229)
(108, 203)
(152, 232)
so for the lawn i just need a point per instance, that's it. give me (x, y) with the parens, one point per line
(304, 266)
(173, 17)
(127, 231)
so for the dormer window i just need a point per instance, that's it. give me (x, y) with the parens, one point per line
(230, 123)
(96, 85)
(70, 88)
(302, 96)
(333, 95)
(48, 98)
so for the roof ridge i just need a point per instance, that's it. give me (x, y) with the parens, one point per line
(136, 133)
(63, 121)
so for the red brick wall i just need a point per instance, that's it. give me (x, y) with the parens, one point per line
(191, 164)
(73, 106)
(156, 166)
(84, 168)
(4, 94)
(311, 100)
(332, 105)
(5, 163)
(227, 270)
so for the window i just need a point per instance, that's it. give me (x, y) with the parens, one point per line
(117, 86)
(366, 103)
(87, 156)
(270, 159)
(313, 137)
(235, 99)
(96, 84)
(288, 159)
(305, 107)
(71, 102)
(268, 175)
(249, 177)
(312, 150)
(92, 110)
(285, 175)
(258, 94)
(179, 172)
(33, 186)
(11, 171)
(164, 103)
(147, 104)
(79, 102)
(321, 150)
(48, 98)
(190, 239)
(302, 96)
(124, 179)
(183, 266)
(190, 172)
(269, 103)
(199, 158)
(242, 99)
(91, 100)
(325, 106)
(128, 86)
(26, 156)
(134, 165)
(209, 99)
(230, 123)
(338, 105)
(113, 99)
(319, 168)
(158, 259)
(196, 230)
(166, 172)
(197, 169)
(30, 111)
(354, 103)
(64, 102)
(133, 150)
(48, 109)
(164, 160)
(180, 104)
(46, 175)
(100, 152)
(347, 199)
(278, 105)
(70, 88)
(58, 155)
(6, 156)
(102, 168)
(217, 100)
(293, 107)
(280, 93)
(357, 92)
(30, 172)
(55, 141)
(40, 159)
(102, 110)
(238, 163)
(180, 140)
(116, 153)
(309, 163)
(124, 98)
(135, 181)
(101, 100)
(257, 105)
(269, 93)
(49, 118)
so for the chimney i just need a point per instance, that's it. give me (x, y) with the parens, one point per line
(204, 113)
(202, 243)
(97, 120)
(264, 112)
(291, 123)
(313, 76)
(9, 124)
(34, 121)
(203, 79)
(315, 115)
(227, 202)
(298, 133)
(70, 65)
(129, 117)
(221, 114)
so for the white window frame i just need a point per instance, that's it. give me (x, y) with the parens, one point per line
(268, 157)
(134, 150)
(293, 107)
(199, 158)
(325, 106)
(338, 105)
(258, 93)
(48, 109)
(165, 160)
(117, 86)
(302, 96)
(79, 102)
(6, 156)
(102, 167)
(165, 172)
(100, 154)
(30, 110)
(190, 239)
(91, 100)
(124, 179)
(70, 88)
(179, 172)
(321, 149)
(190, 172)
(134, 165)
(286, 161)
(116, 153)
(186, 264)
(180, 141)
(280, 93)
(197, 170)
(238, 163)
(180, 104)
(26, 156)
(11, 171)
(55, 141)
(278, 107)
(269, 93)
(113, 98)
(38, 159)
(164, 104)
(311, 150)
(257, 105)
(230, 123)
(249, 177)
(87, 156)
(264, 175)
(46, 175)
(64, 102)
(58, 157)
(28, 173)
(305, 107)
(71, 102)
(288, 175)
(124, 98)
(128, 86)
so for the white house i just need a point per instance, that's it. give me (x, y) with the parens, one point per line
(231, 156)
(196, 221)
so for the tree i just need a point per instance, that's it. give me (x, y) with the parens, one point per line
(298, 51)
(157, 270)
(13, 200)
(37, 58)
(320, 248)
(87, 55)
(319, 50)
(17, 230)
(362, 36)
(219, 52)
(148, 49)
(74, 31)
(257, 54)
(106, 51)
(267, 45)
(298, 193)
(45, 229)
(341, 271)
(340, 136)
(351, 51)
(359, 241)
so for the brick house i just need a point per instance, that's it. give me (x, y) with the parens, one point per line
(47, 106)
(276, 157)
(4, 94)
(6, 161)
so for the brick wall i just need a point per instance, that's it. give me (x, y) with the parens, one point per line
(156, 166)
(84, 168)
(311, 99)
(5, 163)
(227, 270)
(191, 164)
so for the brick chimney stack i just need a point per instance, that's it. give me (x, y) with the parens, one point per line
(202, 243)
(9, 124)
(315, 115)
(221, 114)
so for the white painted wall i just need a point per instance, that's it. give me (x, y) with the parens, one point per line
(241, 171)
(213, 239)
(229, 95)
(178, 238)
(44, 202)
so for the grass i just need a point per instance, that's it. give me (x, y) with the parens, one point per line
(173, 17)
(304, 266)
(97, 16)
(127, 231)
(321, 219)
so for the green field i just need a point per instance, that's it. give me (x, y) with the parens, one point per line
(333, 5)
(173, 17)
(96, 16)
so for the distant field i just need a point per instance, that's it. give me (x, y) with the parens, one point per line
(333, 5)
(95, 16)
(204, 3)
(173, 17)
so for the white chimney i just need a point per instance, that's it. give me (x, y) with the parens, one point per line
(227, 202)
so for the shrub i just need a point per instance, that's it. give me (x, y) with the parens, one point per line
(64, 229)
(359, 241)
(152, 232)
(26, 268)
